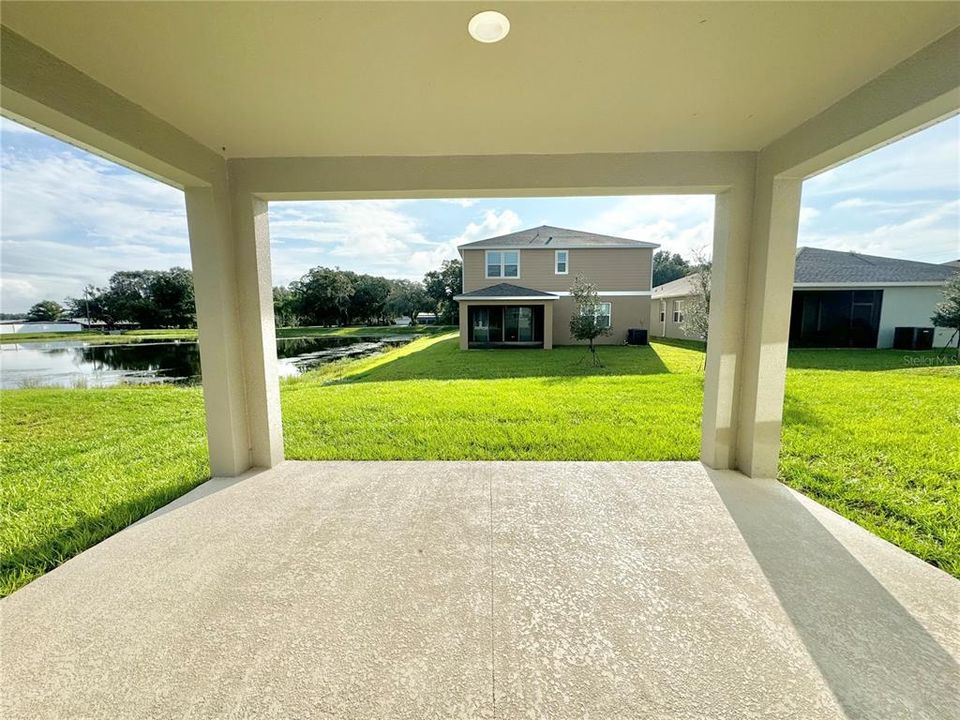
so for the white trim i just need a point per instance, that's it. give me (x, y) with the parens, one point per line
(609, 293)
(501, 276)
(566, 262)
(468, 298)
(878, 285)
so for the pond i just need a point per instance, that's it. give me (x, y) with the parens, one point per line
(71, 363)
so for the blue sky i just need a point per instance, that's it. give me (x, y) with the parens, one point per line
(70, 218)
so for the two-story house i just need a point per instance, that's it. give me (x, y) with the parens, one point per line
(516, 287)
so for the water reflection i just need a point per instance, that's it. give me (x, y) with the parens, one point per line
(79, 364)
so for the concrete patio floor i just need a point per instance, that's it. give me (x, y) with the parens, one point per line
(509, 590)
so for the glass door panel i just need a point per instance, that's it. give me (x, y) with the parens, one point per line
(518, 324)
(481, 324)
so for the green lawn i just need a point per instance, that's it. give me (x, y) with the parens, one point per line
(865, 433)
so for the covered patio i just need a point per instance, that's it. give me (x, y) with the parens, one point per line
(481, 590)
(286, 589)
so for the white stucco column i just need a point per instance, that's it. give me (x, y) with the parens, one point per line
(732, 219)
(230, 246)
(257, 329)
(776, 215)
(752, 290)
(213, 257)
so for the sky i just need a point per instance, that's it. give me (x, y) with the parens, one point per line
(69, 218)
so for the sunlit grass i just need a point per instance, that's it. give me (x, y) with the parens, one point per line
(873, 435)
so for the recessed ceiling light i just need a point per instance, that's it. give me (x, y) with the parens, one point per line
(488, 26)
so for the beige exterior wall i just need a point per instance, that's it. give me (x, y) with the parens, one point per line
(667, 327)
(625, 313)
(608, 268)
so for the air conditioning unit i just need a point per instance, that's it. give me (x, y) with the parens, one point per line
(913, 338)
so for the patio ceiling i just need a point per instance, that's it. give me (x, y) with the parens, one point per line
(311, 79)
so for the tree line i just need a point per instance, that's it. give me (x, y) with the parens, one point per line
(323, 296)
(331, 296)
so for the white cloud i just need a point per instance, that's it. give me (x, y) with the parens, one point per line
(807, 214)
(926, 161)
(933, 236)
(678, 223)
(68, 220)
(492, 224)
(462, 202)
(64, 194)
(375, 236)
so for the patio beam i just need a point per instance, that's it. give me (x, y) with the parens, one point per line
(344, 178)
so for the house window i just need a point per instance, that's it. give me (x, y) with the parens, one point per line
(677, 311)
(560, 262)
(503, 263)
(603, 314)
(663, 310)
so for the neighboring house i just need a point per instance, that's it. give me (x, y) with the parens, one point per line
(840, 299)
(668, 303)
(516, 287)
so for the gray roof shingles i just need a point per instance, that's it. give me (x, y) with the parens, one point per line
(505, 290)
(816, 265)
(549, 237)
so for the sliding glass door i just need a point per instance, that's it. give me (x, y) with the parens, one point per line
(518, 324)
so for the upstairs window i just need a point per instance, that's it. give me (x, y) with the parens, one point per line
(503, 264)
(560, 262)
(677, 311)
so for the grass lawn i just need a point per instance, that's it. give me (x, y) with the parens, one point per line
(79, 465)
(865, 433)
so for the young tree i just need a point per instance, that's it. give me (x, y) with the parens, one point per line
(696, 313)
(587, 323)
(947, 312)
(442, 285)
(667, 267)
(408, 298)
(45, 311)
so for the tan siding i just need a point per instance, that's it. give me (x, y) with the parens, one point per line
(668, 328)
(609, 268)
(626, 313)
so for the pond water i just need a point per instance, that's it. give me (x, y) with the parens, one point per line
(71, 363)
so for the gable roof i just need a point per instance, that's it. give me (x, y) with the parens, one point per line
(506, 291)
(819, 266)
(816, 266)
(675, 288)
(550, 237)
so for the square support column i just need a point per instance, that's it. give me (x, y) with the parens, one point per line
(464, 330)
(258, 330)
(229, 246)
(548, 326)
(751, 293)
(776, 219)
